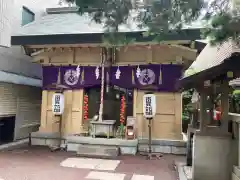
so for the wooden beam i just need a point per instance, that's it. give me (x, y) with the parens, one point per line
(176, 42)
(184, 48)
(40, 52)
(149, 54)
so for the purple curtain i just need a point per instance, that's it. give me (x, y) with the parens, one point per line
(151, 77)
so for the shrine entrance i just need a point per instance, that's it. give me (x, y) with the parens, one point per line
(114, 97)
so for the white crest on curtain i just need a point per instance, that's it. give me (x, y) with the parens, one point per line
(108, 79)
(97, 72)
(78, 71)
(118, 73)
(138, 72)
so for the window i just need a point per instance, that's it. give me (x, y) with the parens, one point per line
(27, 16)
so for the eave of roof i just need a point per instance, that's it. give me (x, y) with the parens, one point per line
(212, 62)
(214, 55)
(18, 79)
(219, 71)
(66, 26)
(97, 38)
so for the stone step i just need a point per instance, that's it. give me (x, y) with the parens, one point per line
(163, 146)
(163, 149)
(87, 150)
(235, 177)
(236, 172)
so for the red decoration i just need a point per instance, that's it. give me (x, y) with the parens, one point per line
(85, 107)
(122, 110)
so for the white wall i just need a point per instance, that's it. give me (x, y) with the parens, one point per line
(5, 22)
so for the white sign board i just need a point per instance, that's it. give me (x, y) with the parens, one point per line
(58, 104)
(149, 105)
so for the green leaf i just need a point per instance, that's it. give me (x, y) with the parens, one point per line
(164, 16)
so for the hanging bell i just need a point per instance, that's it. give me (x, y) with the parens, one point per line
(138, 72)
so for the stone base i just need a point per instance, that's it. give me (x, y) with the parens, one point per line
(14, 145)
(125, 146)
(102, 128)
(177, 147)
(47, 139)
(98, 151)
(212, 157)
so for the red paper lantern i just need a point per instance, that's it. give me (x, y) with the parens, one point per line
(85, 107)
(122, 110)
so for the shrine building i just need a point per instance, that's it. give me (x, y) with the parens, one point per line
(71, 50)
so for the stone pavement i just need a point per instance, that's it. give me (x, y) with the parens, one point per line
(37, 163)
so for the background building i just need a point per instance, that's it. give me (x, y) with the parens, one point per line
(20, 79)
(5, 22)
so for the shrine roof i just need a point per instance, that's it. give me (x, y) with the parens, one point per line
(212, 56)
(67, 26)
(211, 63)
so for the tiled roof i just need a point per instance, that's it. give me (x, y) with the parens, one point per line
(212, 56)
(68, 23)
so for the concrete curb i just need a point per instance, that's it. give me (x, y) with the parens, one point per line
(14, 145)
(164, 142)
(100, 141)
(181, 174)
(177, 147)
(72, 142)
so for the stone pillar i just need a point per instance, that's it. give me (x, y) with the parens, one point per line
(211, 157)
(212, 145)
(236, 141)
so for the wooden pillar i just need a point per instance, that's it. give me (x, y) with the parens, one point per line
(194, 118)
(224, 106)
(203, 112)
(178, 116)
(238, 138)
(44, 107)
(149, 54)
(210, 106)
